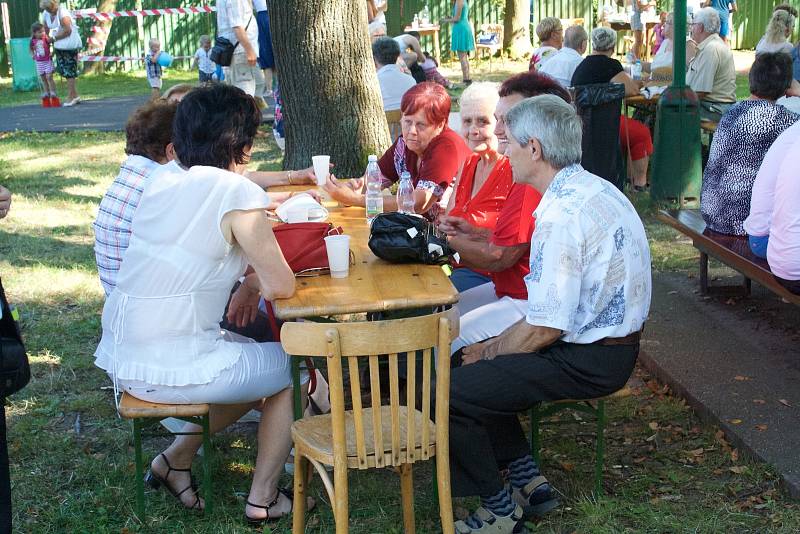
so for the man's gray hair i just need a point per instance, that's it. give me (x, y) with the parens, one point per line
(574, 37)
(553, 122)
(603, 39)
(709, 18)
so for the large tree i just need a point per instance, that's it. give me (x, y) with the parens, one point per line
(516, 28)
(330, 91)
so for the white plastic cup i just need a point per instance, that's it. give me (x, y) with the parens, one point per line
(338, 248)
(321, 168)
(297, 215)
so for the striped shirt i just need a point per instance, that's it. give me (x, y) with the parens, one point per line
(112, 228)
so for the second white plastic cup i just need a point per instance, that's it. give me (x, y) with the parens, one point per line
(338, 248)
(321, 168)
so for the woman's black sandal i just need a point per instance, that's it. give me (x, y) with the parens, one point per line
(260, 521)
(155, 481)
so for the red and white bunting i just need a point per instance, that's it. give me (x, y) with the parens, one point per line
(144, 12)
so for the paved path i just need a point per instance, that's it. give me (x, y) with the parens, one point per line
(737, 363)
(107, 114)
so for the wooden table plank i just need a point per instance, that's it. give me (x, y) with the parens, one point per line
(373, 284)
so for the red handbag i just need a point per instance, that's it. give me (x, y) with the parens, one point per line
(303, 246)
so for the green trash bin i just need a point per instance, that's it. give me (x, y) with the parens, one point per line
(677, 173)
(22, 65)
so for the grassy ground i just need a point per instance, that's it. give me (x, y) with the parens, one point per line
(94, 86)
(72, 457)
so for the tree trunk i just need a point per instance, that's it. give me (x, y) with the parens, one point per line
(516, 28)
(330, 91)
(96, 44)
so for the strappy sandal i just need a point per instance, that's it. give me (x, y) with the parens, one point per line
(155, 481)
(533, 503)
(261, 520)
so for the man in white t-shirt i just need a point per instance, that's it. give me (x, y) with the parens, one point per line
(237, 23)
(393, 82)
(561, 66)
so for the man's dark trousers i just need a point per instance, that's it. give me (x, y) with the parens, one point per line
(486, 396)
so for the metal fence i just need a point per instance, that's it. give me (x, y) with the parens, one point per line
(178, 33)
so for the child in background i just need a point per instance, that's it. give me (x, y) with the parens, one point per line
(202, 60)
(432, 73)
(658, 32)
(40, 51)
(153, 69)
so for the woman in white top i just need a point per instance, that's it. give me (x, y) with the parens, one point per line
(661, 67)
(66, 41)
(779, 30)
(198, 225)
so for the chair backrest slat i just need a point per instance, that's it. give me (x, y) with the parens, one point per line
(358, 412)
(394, 403)
(375, 397)
(443, 384)
(426, 401)
(339, 431)
(411, 397)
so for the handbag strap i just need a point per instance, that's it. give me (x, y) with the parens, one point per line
(245, 31)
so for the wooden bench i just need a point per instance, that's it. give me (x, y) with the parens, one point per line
(733, 251)
(136, 410)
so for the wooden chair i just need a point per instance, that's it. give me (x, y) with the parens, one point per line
(495, 30)
(393, 119)
(594, 407)
(137, 410)
(379, 436)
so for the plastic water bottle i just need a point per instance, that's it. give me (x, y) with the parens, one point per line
(405, 194)
(636, 70)
(374, 194)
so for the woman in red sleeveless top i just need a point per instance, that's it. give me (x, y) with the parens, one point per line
(485, 178)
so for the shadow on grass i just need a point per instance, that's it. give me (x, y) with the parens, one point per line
(23, 250)
(52, 187)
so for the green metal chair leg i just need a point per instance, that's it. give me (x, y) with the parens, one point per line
(207, 489)
(600, 414)
(137, 447)
(535, 437)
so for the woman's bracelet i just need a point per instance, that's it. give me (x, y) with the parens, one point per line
(289, 176)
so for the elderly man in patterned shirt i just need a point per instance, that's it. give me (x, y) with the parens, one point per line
(588, 297)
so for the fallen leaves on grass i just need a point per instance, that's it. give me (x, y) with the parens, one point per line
(735, 421)
(653, 425)
(761, 428)
(759, 401)
(738, 469)
(741, 378)
(785, 403)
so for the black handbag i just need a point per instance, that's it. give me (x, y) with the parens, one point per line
(15, 371)
(402, 238)
(222, 51)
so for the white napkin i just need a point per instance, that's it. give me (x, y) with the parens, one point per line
(316, 212)
(653, 90)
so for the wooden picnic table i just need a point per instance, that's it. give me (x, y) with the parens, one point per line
(625, 26)
(433, 31)
(373, 285)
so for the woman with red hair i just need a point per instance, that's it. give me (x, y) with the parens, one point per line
(428, 149)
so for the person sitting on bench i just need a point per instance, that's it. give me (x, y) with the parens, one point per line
(773, 226)
(743, 137)
(588, 297)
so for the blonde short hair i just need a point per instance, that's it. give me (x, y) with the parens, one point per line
(547, 27)
(46, 4)
(204, 39)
